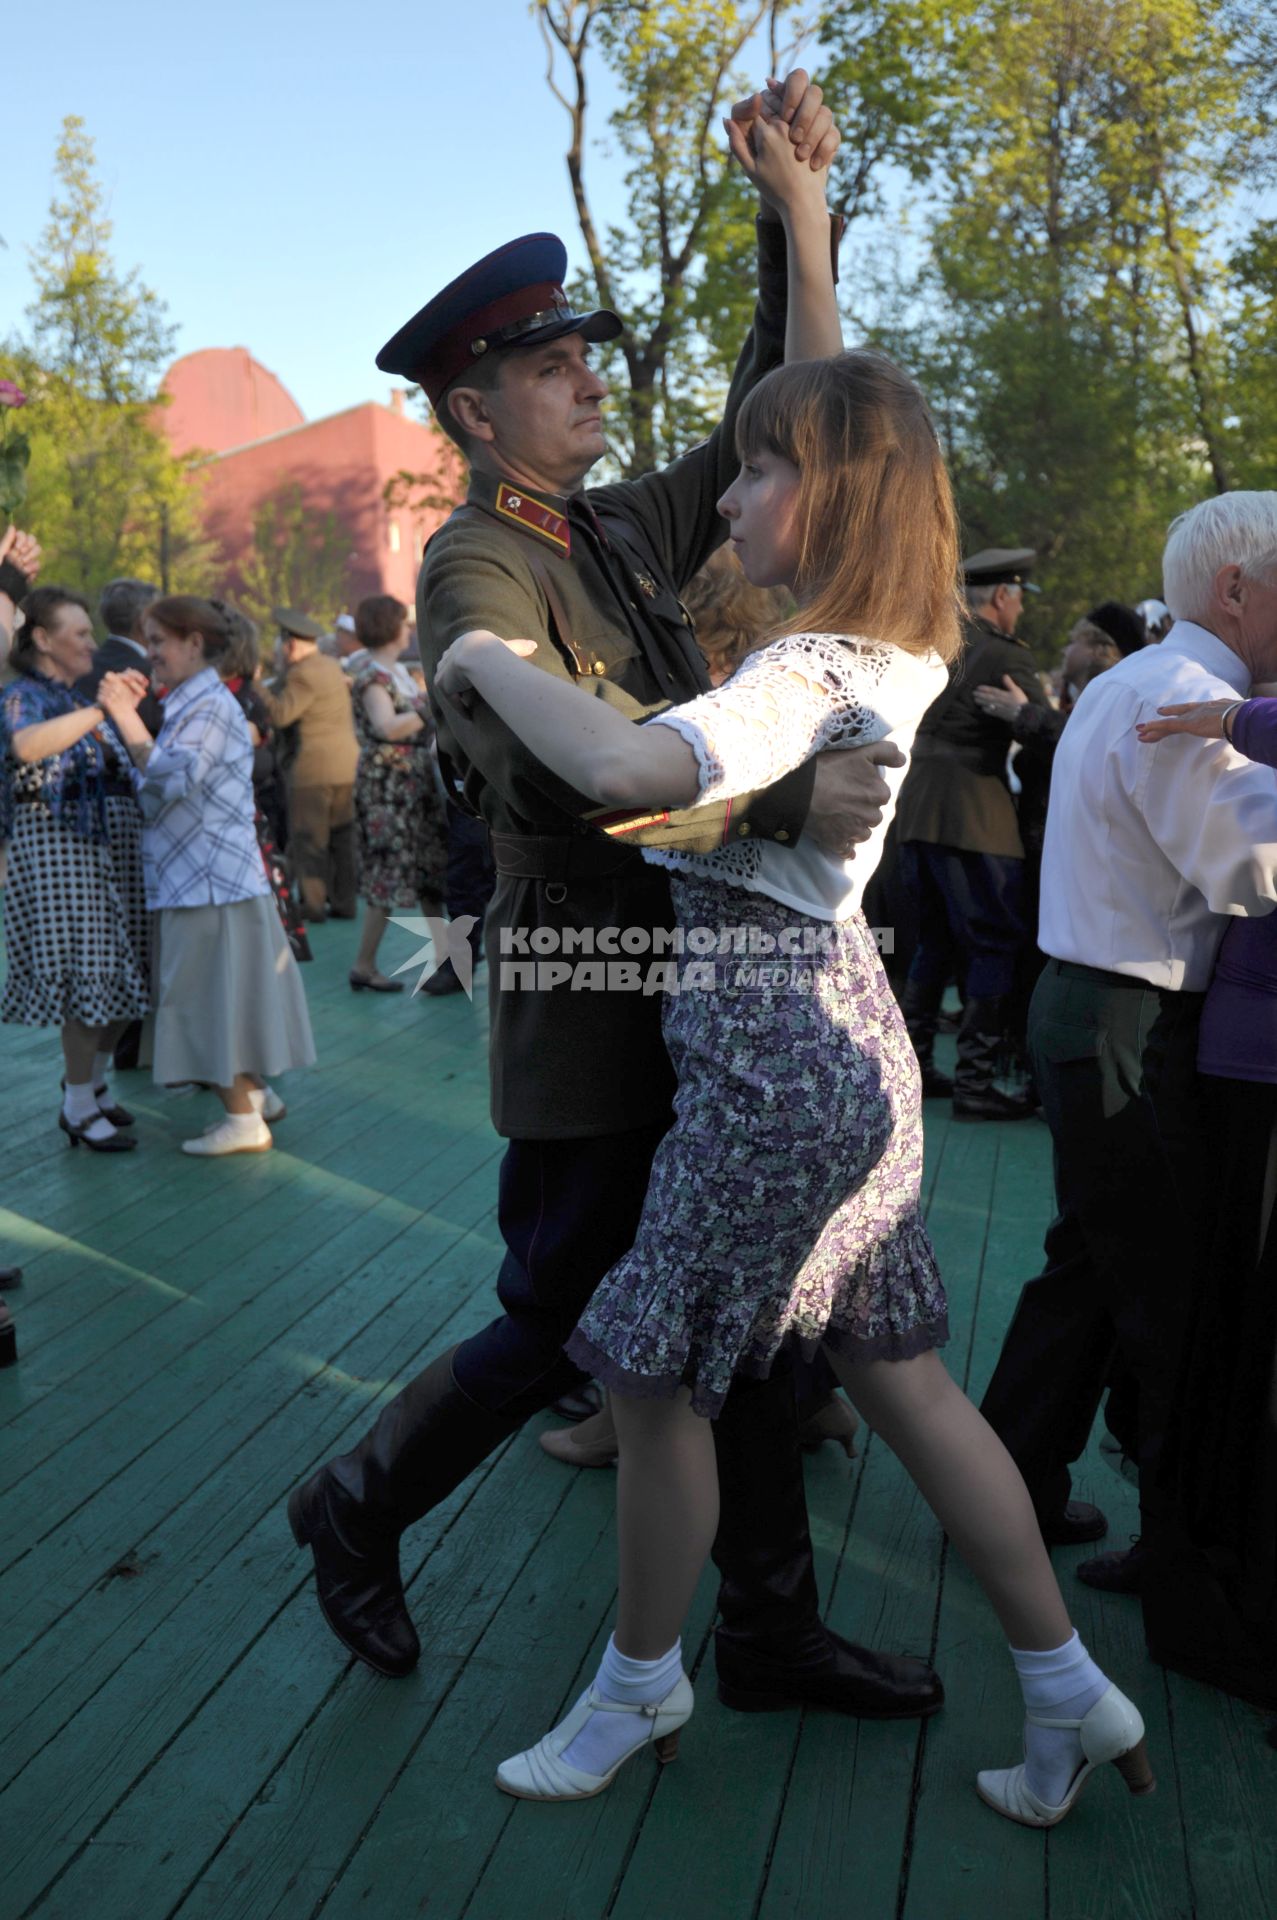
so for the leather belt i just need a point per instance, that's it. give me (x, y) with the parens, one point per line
(557, 858)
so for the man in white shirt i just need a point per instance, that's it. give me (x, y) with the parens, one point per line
(1148, 851)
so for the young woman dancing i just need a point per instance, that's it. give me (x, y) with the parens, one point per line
(785, 1198)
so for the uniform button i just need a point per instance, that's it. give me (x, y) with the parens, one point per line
(599, 667)
(781, 834)
(743, 829)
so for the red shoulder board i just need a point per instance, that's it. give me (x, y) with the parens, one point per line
(533, 514)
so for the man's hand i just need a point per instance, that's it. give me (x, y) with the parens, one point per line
(799, 104)
(849, 796)
(1001, 703)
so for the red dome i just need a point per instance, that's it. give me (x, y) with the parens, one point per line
(220, 398)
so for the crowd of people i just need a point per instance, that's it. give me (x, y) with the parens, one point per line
(176, 818)
(710, 1196)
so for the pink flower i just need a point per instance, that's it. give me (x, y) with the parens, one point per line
(11, 396)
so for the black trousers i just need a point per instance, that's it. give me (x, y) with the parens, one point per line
(971, 918)
(1115, 1062)
(470, 875)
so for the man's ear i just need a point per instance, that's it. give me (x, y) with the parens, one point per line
(469, 409)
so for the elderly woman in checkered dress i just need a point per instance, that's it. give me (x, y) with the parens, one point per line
(230, 1006)
(75, 920)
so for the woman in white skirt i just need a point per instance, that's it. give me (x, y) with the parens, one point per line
(230, 1009)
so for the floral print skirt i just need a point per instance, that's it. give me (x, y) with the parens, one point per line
(785, 1198)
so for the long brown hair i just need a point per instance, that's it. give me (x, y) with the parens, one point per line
(878, 548)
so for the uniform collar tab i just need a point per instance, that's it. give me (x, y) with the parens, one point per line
(538, 514)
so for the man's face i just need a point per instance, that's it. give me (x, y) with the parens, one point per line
(1006, 606)
(544, 417)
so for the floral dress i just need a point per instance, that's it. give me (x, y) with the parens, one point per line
(785, 1199)
(75, 916)
(399, 814)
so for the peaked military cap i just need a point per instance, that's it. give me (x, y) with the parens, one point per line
(299, 625)
(1000, 567)
(511, 298)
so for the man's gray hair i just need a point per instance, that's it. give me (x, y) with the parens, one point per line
(122, 602)
(977, 597)
(1230, 530)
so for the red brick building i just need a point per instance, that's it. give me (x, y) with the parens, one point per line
(223, 404)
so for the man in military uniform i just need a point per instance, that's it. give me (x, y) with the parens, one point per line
(315, 699)
(581, 1081)
(961, 853)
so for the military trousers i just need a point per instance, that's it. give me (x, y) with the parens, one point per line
(321, 848)
(971, 918)
(1116, 1067)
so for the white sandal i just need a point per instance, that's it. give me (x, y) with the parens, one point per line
(1112, 1731)
(539, 1773)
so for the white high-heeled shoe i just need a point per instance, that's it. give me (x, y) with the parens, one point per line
(540, 1774)
(1113, 1730)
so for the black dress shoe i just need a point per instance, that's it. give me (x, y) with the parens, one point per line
(1074, 1525)
(936, 1085)
(373, 983)
(357, 1578)
(848, 1679)
(444, 979)
(1115, 1572)
(992, 1104)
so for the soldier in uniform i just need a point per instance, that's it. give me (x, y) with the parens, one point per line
(581, 1082)
(962, 857)
(314, 698)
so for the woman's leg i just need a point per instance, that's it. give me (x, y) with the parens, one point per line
(375, 922)
(666, 1514)
(970, 1482)
(79, 1044)
(974, 1488)
(238, 1097)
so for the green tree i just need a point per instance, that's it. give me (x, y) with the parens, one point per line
(298, 558)
(105, 493)
(1078, 297)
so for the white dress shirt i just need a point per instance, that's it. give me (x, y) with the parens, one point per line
(1148, 849)
(199, 838)
(789, 701)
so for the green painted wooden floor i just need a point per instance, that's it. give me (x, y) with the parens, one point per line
(180, 1734)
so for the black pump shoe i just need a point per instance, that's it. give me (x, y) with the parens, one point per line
(118, 1116)
(114, 1143)
(373, 983)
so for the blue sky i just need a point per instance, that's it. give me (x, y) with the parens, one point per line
(294, 179)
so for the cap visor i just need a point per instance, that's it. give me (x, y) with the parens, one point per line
(596, 327)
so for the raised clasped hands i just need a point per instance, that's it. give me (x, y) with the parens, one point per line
(24, 550)
(787, 121)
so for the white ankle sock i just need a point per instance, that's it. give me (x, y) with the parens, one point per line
(101, 1066)
(79, 1103)
(1065, 1683)
(606, 1738)
(258, 1097)
(245, 1122)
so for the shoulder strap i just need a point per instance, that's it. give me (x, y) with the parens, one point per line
(559, 621)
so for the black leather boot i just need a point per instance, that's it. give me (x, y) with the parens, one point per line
(980, 1039)
(772, 1648)
(921, 1008)
(352, 1512)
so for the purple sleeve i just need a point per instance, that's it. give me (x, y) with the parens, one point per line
(1255, 731)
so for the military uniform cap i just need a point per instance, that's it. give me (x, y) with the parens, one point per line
(511, 298)
(1000, 567)
(299, 625)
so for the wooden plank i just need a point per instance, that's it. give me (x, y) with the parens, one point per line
(316, 1409)
(139, 1446)
(258, 1592)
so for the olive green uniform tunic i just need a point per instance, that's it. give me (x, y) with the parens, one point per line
(594, 580)
(956, 792)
